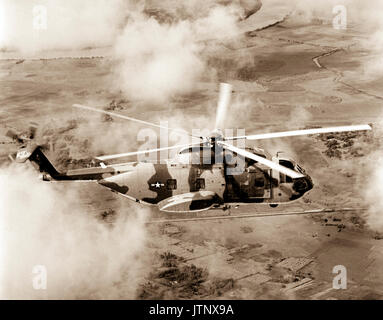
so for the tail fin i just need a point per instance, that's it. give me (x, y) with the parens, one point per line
(34, 153)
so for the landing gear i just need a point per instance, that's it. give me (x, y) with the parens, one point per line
(273, 205)
(226, 207)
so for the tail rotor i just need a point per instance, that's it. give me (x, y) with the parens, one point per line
(24, 140)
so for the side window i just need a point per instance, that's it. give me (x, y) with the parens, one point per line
(259, 182)
(171, 184)
(200, 183)
(283, 178)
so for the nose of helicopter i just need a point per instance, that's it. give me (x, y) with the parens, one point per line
(309, 182)
(303, 185)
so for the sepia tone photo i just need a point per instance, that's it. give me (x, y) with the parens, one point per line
(191, 150)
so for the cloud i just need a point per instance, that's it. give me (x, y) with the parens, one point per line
(157, 61)
(373, 193)
(31, 27)
(369, 175)
(43, 224)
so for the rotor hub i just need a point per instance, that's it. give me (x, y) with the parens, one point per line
(216, 135)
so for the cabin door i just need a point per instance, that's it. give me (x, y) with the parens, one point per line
(259, 186)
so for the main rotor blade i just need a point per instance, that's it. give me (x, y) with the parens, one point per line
(113, 114)
(302, 132)
(127, 154)
(223, 103)
(275, 166)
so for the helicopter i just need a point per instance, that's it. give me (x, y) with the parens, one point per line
(184, 185)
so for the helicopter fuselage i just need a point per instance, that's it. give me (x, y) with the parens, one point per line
(179, 186)
(153, 183)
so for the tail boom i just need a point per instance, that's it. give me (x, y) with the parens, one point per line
(36, 155)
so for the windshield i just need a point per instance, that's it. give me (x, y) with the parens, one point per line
(300, 169)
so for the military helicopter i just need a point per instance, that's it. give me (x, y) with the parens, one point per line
(181, 185)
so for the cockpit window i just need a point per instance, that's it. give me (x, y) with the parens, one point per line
(300, 169)
(200, 183)
(288, 164)
(171, 184)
